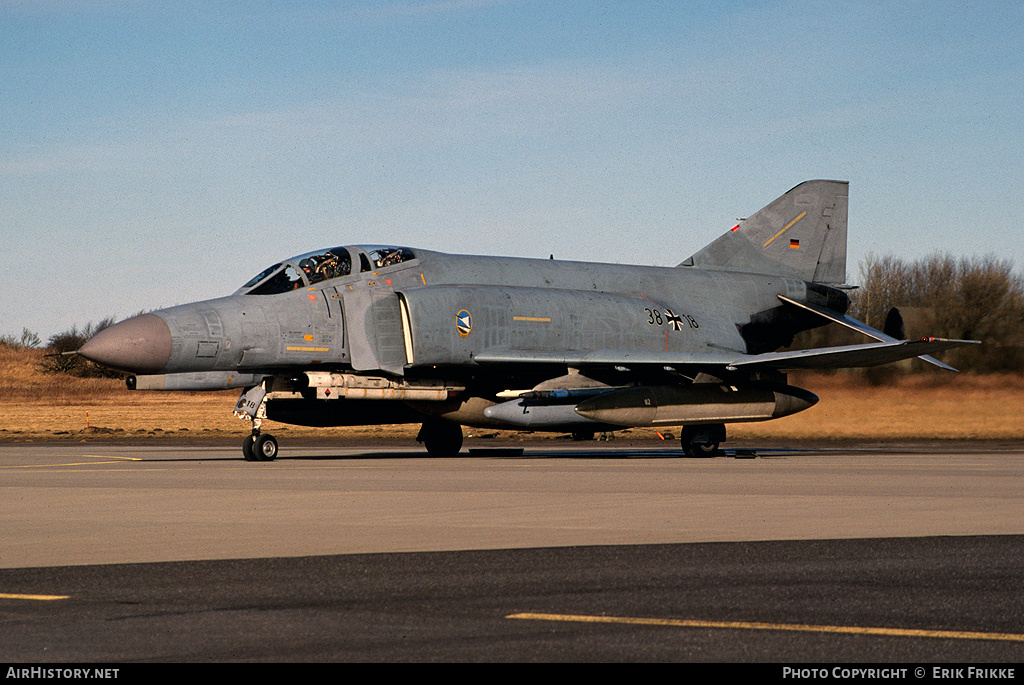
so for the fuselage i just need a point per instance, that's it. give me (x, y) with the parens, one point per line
(405, 316)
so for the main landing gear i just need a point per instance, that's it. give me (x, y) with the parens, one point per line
(702, 440)
(441, 438)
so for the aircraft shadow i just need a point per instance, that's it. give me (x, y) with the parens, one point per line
(539, 454)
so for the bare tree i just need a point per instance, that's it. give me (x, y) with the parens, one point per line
(27, 341)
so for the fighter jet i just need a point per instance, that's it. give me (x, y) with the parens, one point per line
(372, 334)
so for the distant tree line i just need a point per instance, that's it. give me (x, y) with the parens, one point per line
(971, 298)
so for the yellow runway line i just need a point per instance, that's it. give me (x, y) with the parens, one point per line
(744, 625)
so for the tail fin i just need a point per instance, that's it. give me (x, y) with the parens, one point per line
(802, 234)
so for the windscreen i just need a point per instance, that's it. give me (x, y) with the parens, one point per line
(286, 279)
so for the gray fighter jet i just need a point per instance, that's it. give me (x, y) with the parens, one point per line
(362, 335)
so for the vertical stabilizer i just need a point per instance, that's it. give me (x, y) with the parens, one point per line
(802, 234)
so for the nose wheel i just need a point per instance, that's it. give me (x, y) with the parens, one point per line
(260, 447)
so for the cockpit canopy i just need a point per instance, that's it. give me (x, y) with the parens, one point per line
(321, 265)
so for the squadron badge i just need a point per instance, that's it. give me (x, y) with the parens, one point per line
(464, 322)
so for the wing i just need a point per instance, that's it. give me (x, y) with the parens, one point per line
(847, 356)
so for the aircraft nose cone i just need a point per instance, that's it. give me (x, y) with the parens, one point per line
(141, 344)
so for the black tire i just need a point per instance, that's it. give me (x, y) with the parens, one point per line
(247, 448)
(701, 450)
(441, 438)
(581, 435)
(702, 441)
(265, 448)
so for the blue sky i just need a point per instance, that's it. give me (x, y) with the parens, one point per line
(154, 153)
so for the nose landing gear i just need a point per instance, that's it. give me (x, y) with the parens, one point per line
(252, 406)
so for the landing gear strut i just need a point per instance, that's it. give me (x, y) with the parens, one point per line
(702, 440)
(441, 438)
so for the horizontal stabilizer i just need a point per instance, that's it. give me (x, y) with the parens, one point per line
(859, 326)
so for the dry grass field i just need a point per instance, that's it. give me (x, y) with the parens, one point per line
(40, 406)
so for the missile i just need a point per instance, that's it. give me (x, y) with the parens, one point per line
(697, 403)
(537, 415)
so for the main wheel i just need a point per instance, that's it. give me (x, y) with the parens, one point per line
(701, 449)
(441, 438)
(703, 440)
(265, 447)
